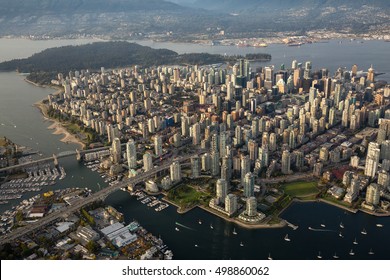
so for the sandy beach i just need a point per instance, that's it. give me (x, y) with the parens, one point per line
(68, 138)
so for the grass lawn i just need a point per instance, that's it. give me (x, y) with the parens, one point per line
(300, 189)
(186, 196)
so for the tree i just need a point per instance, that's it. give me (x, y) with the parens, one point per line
(92, 247)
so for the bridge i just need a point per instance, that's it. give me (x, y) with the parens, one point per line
(54, 158)
(100, 195)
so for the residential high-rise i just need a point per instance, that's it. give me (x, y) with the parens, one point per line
(384, 179)
(215, 163)
(158, 145)
(245, 167)
(175, 172)
(253, 150)
(373, 194)
(251, 207)
(116, 151)
(131, 154)
(195, 166)
(372, 159)
(249, 185)
(221, 190)
(231, 204)
(196, 134)
(286, 162)
(148, 163)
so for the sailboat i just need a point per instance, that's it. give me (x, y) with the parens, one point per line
(211, 226)
(352, 253)
(355, 242)
(234, 231)
(269, 257)
(341, 235)
(177, 229)
(341, 225)
(371, 252)
(200, 222)
(241, 244)
(319, 255)
(286, 238)
(364, 231)
(335, 256)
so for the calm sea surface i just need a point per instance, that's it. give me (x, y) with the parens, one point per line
(23, 124)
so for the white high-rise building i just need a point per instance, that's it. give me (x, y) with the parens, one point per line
(373, 194)
(372, 160)
(196, 134)
(251, 207)
(195, 166)
(131, 154)
(221, 190)
(286, 162)
(116, 151)
(175, 171)
(231, 204)
(148, 163)
(158, 145)
(249, 185)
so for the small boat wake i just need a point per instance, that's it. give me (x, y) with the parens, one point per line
(183, 226)
(321, 230)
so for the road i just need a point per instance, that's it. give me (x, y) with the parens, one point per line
(19, 232)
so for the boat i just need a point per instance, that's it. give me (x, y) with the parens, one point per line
(200, 222)
(234, 231)
(355, 242)
(352, 253)
(364, 231)
(319, 255)
(341, 225)
(371, 252)
(286, 238)
(341, 235)
(269, 257)
(196, 245)
(241, 244)
(323, 225)
(379, 225)
(177, 229)
(211, 226)
(335, 256)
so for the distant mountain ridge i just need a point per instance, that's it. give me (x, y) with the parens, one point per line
(258, 5)
(190, 19)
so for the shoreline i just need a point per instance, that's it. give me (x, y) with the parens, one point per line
(281, 224)
(57, 126)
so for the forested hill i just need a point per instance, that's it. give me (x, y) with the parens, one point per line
(110, 55)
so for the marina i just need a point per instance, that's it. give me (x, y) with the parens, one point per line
(36, 179)
(150, 201)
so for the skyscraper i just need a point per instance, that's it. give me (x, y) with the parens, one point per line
(230, 204)
(372, 159)
(158, 145)
(373, 194)
(175, 172)
(195, 166)
(148, 163)
(286, 161)
(251, 207)
(249, 185)
(245, 167)
(116, 151)
(221, 190)
(196, 134)
(131, 154)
